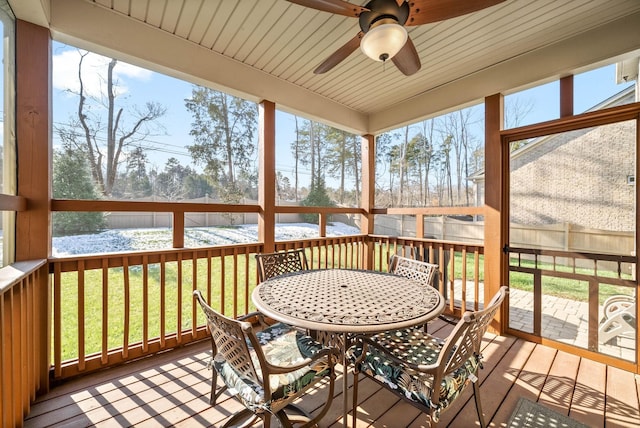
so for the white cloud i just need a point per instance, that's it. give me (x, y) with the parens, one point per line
(94, 72)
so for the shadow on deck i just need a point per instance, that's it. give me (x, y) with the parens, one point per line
(172, 389)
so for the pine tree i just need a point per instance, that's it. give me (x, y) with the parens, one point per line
(72, 180)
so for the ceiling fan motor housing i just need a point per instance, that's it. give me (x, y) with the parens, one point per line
(381, 11)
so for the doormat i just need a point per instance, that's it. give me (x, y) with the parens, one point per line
(529, 414)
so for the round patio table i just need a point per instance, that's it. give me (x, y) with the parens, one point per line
(344, 301)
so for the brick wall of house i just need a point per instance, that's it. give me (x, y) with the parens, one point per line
(579, 177)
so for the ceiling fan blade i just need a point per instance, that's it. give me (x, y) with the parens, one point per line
(426, 11)
(339, 7)
(407, 60)
(339, 55)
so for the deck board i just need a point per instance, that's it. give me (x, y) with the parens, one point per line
(622, 400)
(172, 389)
(560, 384)
(587, 405)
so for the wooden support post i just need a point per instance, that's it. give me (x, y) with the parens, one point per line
(496, 225)
(419, 225)
(178, 229)
(368, 196)
(33, 124)
(33, 138)
(636, 265)
(267, 175)
(566, 96)
(322, 225)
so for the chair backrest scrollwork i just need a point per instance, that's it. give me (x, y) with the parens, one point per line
(275, 264)
(422, 272)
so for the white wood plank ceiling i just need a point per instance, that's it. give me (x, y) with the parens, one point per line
(276, 45)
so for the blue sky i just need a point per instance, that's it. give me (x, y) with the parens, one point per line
(138, 86)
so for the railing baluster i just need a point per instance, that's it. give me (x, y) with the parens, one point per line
(194, 286)
(18, 295)
(476, 278)
(145, 303)
(452, 258)
(81, 316)
(235, 282)
(463, 297)
(127, 307)
(163, 304)
(222, 283)
(105, 310)
(32, 334)
(209, 275)
(179, 300)
(57, 321)
(246, 283)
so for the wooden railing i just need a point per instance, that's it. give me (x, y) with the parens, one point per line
(23, 330)
(595, 270)
(128, 305)
(125, 306)
(459, 267)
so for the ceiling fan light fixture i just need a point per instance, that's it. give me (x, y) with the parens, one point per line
(383, 41)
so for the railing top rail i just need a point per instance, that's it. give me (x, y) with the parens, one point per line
(176, 206)
(14, 273)
(440, 242)
(574, 255)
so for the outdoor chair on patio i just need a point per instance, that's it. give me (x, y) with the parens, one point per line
(267, 370)
(279, 263)
(420, 271)
(428, 372)
(619, 318)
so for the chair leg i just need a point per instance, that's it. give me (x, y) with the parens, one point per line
(284, 420)
(214, 383)
(476, 396)
(354, 398)
(243, 419)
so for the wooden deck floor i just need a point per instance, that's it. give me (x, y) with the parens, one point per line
(172, 389)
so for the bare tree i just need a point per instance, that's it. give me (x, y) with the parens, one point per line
(106, 153)
(515, 110)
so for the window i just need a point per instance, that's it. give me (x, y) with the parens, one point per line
(7, 142)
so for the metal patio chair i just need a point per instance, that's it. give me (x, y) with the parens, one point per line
(266, 370)
(422, 272)
(279, 263)
(428, 372)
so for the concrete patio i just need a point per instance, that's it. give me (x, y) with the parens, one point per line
(563, 320)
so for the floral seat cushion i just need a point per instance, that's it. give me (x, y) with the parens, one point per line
(282, 345)
(417, 347)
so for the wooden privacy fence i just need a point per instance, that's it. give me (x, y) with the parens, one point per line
(558, 236)
(23, 337)
(152, 219)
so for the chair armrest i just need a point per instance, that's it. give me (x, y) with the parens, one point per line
(256, 314)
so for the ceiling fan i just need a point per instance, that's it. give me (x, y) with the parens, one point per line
(382, 35)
